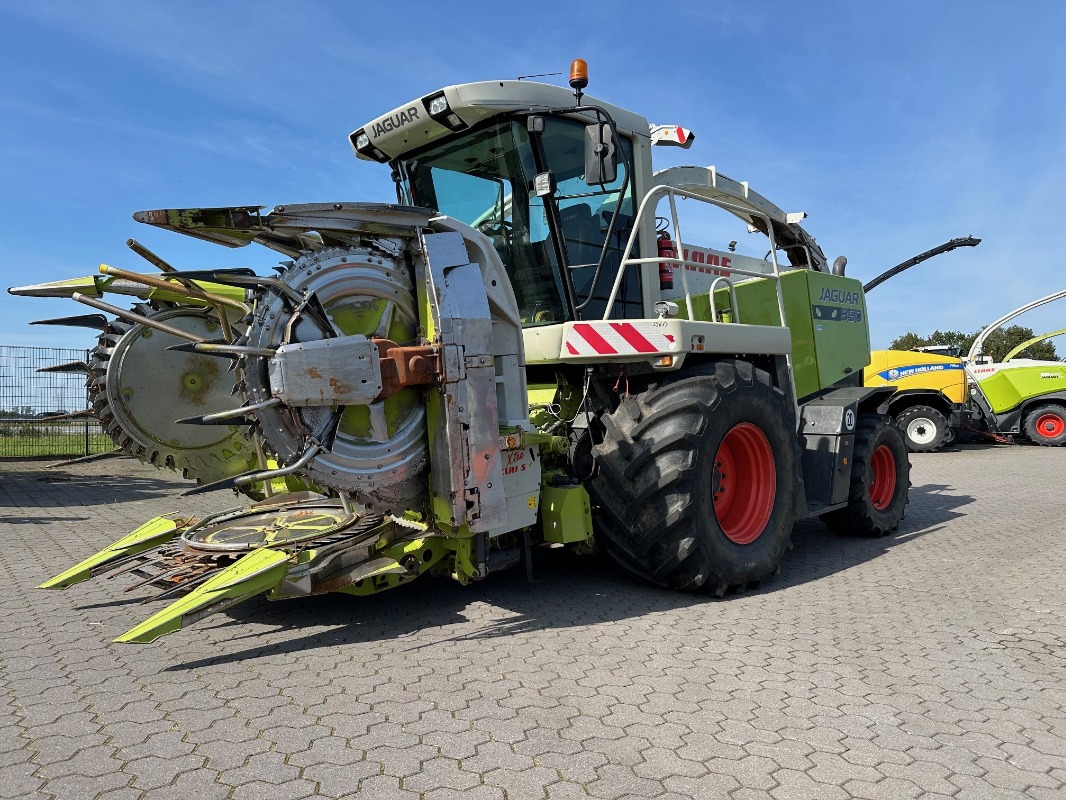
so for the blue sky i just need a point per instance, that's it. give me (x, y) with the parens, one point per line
(895, 126)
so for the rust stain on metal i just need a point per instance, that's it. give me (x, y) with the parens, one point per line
(304, 513)
(197, 378)
(339, 387)
(406, 366)
(313, 373)
(153, 217)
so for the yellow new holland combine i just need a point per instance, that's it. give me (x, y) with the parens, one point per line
(939, 391)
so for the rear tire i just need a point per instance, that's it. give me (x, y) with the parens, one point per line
(696, 479)
(880, 480)
(924, 428)
(1046, 425)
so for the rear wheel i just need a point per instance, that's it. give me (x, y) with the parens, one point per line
(1046, 425)
(924, 428)
(880, 479)
(696, 479)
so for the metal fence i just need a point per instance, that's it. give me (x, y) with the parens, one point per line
(34, 405)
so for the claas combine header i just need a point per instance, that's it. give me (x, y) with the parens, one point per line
(515, 353)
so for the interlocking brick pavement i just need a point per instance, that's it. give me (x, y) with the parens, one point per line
(928, 664)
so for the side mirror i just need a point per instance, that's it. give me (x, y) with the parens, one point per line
(601, 162)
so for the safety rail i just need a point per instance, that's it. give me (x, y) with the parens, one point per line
(672, 192)
(734, 306)
(655, 194)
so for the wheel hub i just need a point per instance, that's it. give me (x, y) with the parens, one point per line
(1050, 425)
(921, 430)
(883, 477)
(744, 483)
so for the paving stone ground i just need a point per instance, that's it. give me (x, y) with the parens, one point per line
(928, 664)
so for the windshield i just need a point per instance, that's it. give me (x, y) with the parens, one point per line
(482, 179)
(485, 179)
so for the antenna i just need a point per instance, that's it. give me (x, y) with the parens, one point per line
(539, 75)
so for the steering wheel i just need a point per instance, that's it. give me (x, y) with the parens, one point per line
(496, 227)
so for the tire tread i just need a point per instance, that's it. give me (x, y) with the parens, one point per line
(648, 478)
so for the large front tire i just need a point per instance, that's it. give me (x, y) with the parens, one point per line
(880, 481)
(696, 479)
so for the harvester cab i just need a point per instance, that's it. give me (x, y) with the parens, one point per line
(518, 352)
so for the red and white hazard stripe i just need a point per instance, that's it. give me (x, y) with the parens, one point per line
(618, 338)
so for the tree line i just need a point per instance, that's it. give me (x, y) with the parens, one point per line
(1000, 342)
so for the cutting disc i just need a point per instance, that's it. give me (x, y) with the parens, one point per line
(139, 390)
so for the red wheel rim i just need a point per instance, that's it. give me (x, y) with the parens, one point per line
(744, 483)
(883, 483)
(1050, 425)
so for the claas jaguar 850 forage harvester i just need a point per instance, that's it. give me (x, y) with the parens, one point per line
(515, 353)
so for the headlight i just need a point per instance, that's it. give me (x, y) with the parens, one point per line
(438, 109)
(438, 105)
(364, 148)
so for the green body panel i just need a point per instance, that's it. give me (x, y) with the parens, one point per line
(153, 533)
(566, 514)
(826, 317)
(423, 554)
(541, 394)
(255, 573)
(1009, 387)
(99, 285)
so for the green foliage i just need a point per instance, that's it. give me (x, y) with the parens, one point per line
(908, 341)
(1004, 340)
(17, 412)
(17, 444)
(1000, 342)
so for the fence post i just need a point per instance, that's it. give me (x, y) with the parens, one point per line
(87, 406)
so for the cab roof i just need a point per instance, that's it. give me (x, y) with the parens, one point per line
(411, 126)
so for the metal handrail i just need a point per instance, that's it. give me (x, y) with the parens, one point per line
(775, 276)
(732, 296)
(671, 192)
